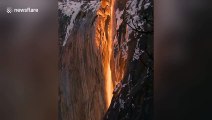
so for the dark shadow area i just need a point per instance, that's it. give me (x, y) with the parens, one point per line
(28, 61)
(182, 86)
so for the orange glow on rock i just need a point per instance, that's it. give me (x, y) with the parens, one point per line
(109, 85)
(104, 31)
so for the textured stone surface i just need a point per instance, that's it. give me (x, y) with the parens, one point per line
(106, 47)
(84, 63)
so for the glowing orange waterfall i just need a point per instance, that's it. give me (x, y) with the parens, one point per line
(109, 83)
(104, 42)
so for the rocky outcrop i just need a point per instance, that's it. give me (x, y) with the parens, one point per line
(84, 59)
(105, 44)
(133, 56)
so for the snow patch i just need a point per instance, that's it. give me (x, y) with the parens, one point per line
(121, 102)
(118, 17)
(146, 5)
(138, 52)
(124, 49)
(71, 9)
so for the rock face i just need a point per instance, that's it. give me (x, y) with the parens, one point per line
(104, 44)
(85, 62)
(133, 56)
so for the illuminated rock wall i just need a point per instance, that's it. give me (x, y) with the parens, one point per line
(106, 60)
(85, 53)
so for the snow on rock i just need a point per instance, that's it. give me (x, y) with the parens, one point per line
(137, 54)
(71, 9)
(133, 22)
(114, 105)
(146, 5)
(124, 46)
(124, 49)
(133, 11)
(121, 103)
(118, 17)
(124, 85)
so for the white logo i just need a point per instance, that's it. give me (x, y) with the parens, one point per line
(9, 10)
(21, 10)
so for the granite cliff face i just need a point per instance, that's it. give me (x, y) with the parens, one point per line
(133, 56)
(106, 59)
(85, 59)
